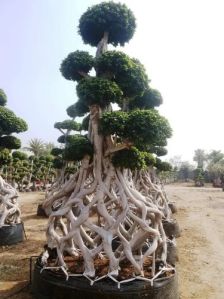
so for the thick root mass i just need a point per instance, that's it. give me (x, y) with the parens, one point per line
(107, 214)
(9, 208)
(108, 220)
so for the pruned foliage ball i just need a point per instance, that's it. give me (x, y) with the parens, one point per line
(3, 98)
(58, 163)
(151, 98)
(128, 73)
(5, 157)
(158, 150)
(129, 158)
(141, 127)
(147, 126)
(98, 91)
(10, 123)
(113, 123)
(56, 151)
(75, 64)
(162, 165)
(19, 155)
(77, 109)
(114, 18)
(150, 160)
(10, 142)
(77, 147)
(68, 124)
(61, 139)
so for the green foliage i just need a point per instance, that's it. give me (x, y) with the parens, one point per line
(10, 142)
(10, 123)
(113, 123)
(150, 160)
(77, 109)
(46, 158)
(147, 126)
(56, 151)
(3, 98)
(199, 176)
(129, 158)
(5, 157)
(114, 18)
(129, 74)
(162, 165)
(150, 99)
(19, 155)
(158, 150)
(85, 123)
(36, 146)
(139, 126)
(76, 62)
(58, 163)
(77, 147)
(61, 139)
(67, 124)
(200, 157)
(215, 156)
(98, 91)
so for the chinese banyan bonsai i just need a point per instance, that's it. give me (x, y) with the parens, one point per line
(11, 229)
(105, 232)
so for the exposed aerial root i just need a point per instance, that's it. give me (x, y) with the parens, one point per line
(87, 221)
(9, 208)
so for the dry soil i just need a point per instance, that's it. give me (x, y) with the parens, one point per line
(200, 247)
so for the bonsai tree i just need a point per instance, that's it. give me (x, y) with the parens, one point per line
(63, 160)
(107, 209)
(9, 124)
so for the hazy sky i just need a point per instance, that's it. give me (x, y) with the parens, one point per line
(180, 42)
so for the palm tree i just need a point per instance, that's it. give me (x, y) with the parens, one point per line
(200, 157)
(48, 146)
(36, 146)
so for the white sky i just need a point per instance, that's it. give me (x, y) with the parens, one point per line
(180, 42)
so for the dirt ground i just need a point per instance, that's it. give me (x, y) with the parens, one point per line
(200, 247)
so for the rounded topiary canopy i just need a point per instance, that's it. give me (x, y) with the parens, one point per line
(114, 18)
(56, 151)
(10, 123)
(98, 91)
(141, 127)
(77, 109)
(3, 98)
(158, 150)
(10, 142)
(129, 158)
(75, 64)
(128, 73)
(151, 98)
(162, 165)
(67, 124)
(5, 157)
(58, 163)
(20, 155)
(77, 147)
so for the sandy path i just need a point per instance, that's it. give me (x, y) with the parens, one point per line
(201, 246)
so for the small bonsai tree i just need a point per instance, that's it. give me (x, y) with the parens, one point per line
(9, 124)
(108, 209)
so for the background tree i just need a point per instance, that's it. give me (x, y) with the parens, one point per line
(200, 158)
(35, 146)
(112, 182)
(9, 124)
